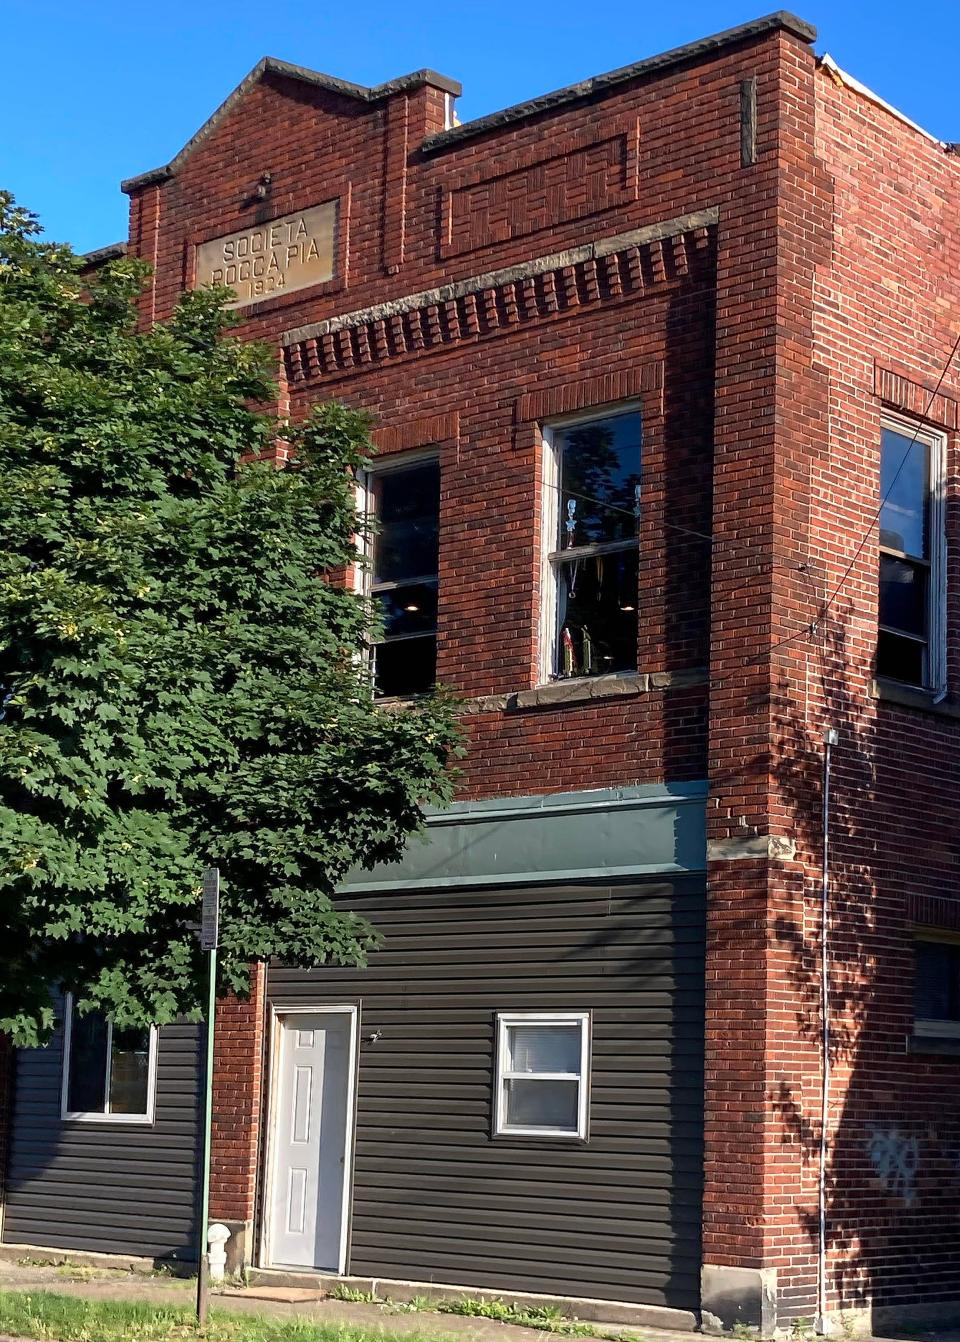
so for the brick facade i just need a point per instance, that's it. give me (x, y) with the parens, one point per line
(764, 258)
(237, 1095)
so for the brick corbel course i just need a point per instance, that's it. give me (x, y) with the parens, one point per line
(497, 300)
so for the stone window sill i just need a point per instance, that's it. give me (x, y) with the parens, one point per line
(559, 693)
(908, 696)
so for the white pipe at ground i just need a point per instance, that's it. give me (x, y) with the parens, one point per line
(217, 1237)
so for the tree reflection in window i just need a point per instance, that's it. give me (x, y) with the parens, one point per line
(107, 1068)
(405, 501)
(594, 560)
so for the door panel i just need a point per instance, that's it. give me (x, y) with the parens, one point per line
(311, 1111)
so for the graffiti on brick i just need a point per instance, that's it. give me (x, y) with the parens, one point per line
(895, 1158)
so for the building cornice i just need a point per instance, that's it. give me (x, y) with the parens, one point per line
(781, 21)
(608, 268)
(270, 65)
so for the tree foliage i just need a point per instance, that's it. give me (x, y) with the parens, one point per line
(180, 682)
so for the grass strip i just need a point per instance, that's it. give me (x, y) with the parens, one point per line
(61, 1318)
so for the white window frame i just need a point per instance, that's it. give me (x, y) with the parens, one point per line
(549, 527)
(936, 442)
(507, 1018)
(365, 504)
(82, 1116)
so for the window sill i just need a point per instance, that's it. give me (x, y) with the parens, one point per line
(557, 693)
(582, 689)
(552, 1139)
(909, 696)
(398, 703)
(946, 1045)
(113, 1120)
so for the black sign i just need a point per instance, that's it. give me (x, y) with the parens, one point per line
(210, 922)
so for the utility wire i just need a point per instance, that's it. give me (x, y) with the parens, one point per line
(630, 512)
(808, 630)
(812, 629)
(876, 517)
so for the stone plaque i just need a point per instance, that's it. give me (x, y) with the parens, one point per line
(272, 258)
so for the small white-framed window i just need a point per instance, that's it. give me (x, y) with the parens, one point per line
(400, 503)
(543, 1071)
(591, 511)
(911, 637)
(109, 1073)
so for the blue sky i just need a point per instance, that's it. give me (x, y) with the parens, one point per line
(100, 90)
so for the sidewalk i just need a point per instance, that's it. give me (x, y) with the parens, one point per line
(100, 1284)
(308, 1305)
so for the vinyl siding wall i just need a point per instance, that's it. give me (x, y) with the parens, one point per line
(437, 1197)
(108, 1187)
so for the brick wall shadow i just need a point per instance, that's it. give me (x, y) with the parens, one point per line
(675, 546)
(893, 1166)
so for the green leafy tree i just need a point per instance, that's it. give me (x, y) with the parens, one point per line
(180, 682)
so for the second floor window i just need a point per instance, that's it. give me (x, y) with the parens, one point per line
(910, 635)
(937, 987)
(591, 512)
(404, 501)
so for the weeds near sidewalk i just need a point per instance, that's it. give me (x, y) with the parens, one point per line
(58, 1318)
(545, 1318)
(548, 1318)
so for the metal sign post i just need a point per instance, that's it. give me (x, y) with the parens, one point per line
(209, 938)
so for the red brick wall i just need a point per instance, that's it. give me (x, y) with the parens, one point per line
(886, 298)
(751, 344)
(315, 145)
(644, 153)
(237, 1092)
(770, 409)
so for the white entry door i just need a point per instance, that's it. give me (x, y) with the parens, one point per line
(312, 1111)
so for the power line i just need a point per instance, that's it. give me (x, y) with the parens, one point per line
(630, 512)
(876, 517)
(808, 630)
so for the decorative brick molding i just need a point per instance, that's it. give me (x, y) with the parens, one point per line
(395, 153)
(625, 265)
(587, 392)
(912, 397)
(591, 174)
(934, 911)
(422, 432)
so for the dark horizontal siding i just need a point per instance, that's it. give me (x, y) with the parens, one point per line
(111, 1188)
(436, 1197)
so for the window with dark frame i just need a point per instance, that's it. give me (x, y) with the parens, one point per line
(909, 624)
(404, 504)
(108, 1070)
(592, 509)
(937, 986)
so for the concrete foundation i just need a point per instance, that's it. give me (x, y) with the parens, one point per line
(738, 1297)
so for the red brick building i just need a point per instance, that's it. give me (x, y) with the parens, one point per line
(667, 483)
